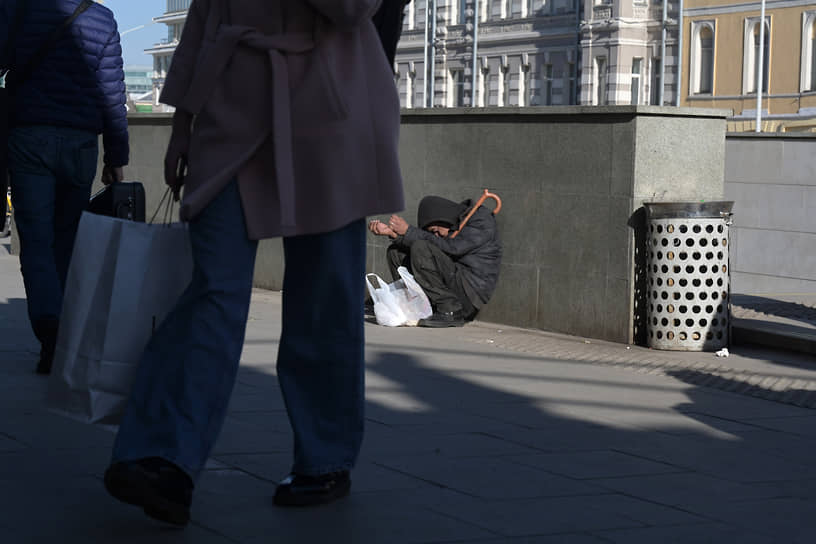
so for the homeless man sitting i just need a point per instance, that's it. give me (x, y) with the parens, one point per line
(458, 272)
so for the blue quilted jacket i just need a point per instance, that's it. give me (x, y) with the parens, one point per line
(80, 84)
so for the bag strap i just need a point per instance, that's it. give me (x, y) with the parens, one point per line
(5, 60)
(45, 48)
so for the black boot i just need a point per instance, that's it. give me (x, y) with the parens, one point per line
(300, 490)
(45, 330)
(162, 489)
(443, 319)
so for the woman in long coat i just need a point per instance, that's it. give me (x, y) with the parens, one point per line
(287, 118)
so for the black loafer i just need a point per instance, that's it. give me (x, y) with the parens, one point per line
(300, 490)
(443, 319)
(163, 490)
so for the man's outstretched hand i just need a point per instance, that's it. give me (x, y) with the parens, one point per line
(398, 225)
(381, 229)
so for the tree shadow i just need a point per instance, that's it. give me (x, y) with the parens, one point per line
(775, 307)
(461, 444)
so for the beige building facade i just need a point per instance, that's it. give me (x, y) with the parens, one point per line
(723, 56)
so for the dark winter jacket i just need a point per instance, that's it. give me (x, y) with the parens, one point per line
(476, 250)
(80, 84)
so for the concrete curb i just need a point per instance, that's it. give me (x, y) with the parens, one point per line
(773, 335)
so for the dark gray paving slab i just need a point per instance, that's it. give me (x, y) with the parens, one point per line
(489, 478)
(543, 516)
(802, 425)
(47, 431)
(737, 460)
(456, 445)
(77, 509)
(780, 520)
(564, 538)
(707, 533)
(7, 444)
(367, 476)
(240, 506)
(688, 491)
(587, 465)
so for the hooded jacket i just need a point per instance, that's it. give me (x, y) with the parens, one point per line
(476, 250)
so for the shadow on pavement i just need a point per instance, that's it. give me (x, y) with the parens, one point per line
(461, 446)
(777, 308)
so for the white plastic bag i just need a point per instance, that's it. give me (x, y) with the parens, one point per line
(401, 303)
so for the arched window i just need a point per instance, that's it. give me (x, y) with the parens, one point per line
(753, 55)
(808, 69)
(706, 60)
(703, 42)
(812, 86)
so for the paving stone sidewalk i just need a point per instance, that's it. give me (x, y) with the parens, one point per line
(482, 434)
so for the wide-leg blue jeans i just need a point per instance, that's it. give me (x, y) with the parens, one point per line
(185, 378)
(51, 171)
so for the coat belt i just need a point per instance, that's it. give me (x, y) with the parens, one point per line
(210, 68)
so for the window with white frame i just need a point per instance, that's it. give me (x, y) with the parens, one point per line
(534, 91)
(517, 8)
(514, 87)
(496, 9)
(600, 81)
(702, 57)
(494, 90)
(808, 70)
(657, 68)
(637, 69)
(406, 86)
(752, 55)
(504, 94)
(572, 82)
(461, 16)
(419, 9)
(456, 88)
(546, 84)
(532, 6)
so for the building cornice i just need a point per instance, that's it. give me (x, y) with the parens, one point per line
(750, 6)
(174, 17)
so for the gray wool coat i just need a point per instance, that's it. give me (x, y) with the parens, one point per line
(295, 98)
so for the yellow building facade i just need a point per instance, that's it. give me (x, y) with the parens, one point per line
(721, 60)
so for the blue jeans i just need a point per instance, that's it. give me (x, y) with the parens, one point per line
(184, 381)
(51, 171)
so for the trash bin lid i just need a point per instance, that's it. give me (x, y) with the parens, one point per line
(684, 210)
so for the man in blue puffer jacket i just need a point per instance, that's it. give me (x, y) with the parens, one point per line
(76, 93)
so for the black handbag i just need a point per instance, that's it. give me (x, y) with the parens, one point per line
(125, 200)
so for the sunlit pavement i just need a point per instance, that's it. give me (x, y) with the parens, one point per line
(479, 434)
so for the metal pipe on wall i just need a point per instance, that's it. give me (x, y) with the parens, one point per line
(432, 62)
(425, 60)
(663, 54)
(577, 51)
(760, 75)
(474, 75)
(679, 54)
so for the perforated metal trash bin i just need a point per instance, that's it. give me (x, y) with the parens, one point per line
(688, 275)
